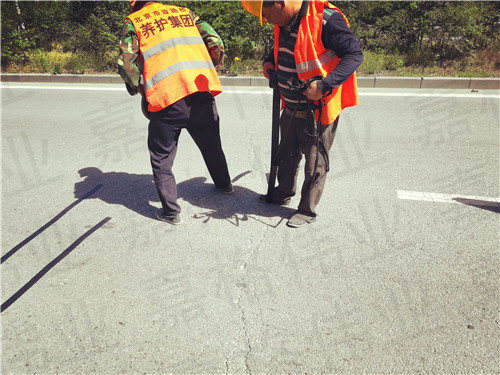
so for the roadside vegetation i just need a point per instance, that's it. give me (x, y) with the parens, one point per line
(420, 38)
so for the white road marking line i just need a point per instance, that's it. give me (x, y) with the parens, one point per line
(431, 95)
(251, 92)
(266, 92)
(121, 88)
(388, 94)
(448, 198)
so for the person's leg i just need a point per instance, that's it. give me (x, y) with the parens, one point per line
(288, 166)
(164, 130)
(315, 171)
(203, 126)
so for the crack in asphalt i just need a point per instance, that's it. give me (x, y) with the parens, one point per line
(242, 285)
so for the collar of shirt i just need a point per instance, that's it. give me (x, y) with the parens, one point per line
(304, 8)
(295, 21)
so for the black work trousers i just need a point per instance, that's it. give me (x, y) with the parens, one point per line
(300, 141)
(197, 113)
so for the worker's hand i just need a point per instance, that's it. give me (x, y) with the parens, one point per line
(313, 92)
(140, 89)
(267, 67)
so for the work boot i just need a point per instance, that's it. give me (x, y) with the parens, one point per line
(299, 220)
(171, 219)
(228, 190)
(280, 202)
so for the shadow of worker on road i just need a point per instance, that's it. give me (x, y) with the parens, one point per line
(242, 205)
(133, 191)
(136, 191)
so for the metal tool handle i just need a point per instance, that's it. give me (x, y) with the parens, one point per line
(273, 83)
(273, 78)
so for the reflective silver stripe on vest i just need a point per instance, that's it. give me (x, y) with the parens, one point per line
(307, 66)
(165, 73)
(163, 46)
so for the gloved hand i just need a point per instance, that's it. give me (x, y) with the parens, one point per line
(266, 68)
(135, 90)
(313, 92)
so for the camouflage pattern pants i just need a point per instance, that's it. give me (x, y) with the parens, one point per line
(196, 113)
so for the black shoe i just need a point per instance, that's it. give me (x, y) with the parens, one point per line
(228, 190)
(299, 220)
(280, 202)
(171, 219)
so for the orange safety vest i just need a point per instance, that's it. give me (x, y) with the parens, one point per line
(175, 61)
(312, 59)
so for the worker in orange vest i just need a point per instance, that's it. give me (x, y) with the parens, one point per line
(164, 57)
(315, 56)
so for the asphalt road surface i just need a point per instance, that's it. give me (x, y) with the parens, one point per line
(400, 273)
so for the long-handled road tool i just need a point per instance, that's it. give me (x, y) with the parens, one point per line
(273, 83)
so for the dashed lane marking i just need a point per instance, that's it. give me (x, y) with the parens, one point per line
(449, 198)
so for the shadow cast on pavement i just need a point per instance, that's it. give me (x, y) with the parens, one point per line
(485, 205)
(133, 191)
(136, 191)
(242, 205)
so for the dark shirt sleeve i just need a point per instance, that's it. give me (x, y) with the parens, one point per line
(338, 37)
(270, 58)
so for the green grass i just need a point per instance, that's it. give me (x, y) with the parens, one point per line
(390, 65)
(58, 61)
(396, 65)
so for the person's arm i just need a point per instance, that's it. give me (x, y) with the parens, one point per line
(128, 61)
(268, 65)
(338, 37)
(212, 40)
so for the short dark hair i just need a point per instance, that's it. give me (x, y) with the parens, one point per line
(139, 4)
